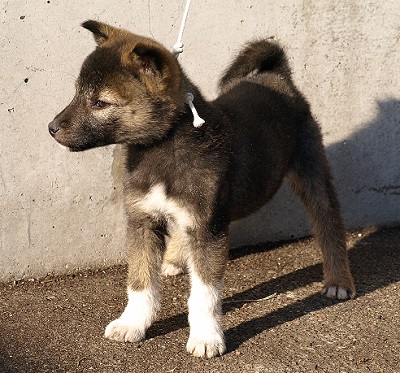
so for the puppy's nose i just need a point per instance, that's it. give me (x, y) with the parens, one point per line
(54, 127)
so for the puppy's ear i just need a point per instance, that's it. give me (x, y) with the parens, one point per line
(101, 31)
(156, 67)
(147, 59)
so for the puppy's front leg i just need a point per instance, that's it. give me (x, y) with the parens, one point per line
(145, 254)
(207, 264)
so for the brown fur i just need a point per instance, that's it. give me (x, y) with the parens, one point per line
(184, 185)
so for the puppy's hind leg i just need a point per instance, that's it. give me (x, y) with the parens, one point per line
(311, 179)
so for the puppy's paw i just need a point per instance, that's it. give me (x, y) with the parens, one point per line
(212, 347)
(338, 292)
(170, 269)
(123, 331)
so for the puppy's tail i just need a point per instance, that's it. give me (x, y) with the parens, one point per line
(257, 57)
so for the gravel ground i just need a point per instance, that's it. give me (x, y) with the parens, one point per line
(275, 319)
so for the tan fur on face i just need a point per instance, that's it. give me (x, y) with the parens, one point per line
(110, 96)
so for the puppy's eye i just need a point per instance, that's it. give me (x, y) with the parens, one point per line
(99, 104)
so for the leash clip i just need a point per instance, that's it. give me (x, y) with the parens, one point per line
(197, 120)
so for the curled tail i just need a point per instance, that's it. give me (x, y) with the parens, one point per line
(257, 57)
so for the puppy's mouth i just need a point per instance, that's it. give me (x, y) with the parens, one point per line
(58, 134)
(75, 149)
(77, 145)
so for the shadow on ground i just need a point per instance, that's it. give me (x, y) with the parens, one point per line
(374, 266)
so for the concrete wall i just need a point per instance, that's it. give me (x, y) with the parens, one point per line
(61, 211)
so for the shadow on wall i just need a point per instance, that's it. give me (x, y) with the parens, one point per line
(366, 169)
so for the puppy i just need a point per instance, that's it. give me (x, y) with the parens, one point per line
(184, 185)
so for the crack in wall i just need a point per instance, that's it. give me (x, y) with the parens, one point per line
(386, 189)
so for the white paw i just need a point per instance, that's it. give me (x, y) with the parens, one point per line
(336, 292)
(209, 347)
(170, 269)
(123, 331)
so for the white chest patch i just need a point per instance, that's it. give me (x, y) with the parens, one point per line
(156, 203)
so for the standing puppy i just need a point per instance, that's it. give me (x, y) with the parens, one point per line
(184, 185)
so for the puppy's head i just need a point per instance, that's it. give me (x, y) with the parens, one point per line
(128, 91)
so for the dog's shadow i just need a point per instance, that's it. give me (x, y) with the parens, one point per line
(375, 261)
(366, 169)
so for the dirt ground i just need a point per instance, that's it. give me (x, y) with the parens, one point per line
(275, 320)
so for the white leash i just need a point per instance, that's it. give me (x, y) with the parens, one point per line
(176, 51)
(178, 46)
